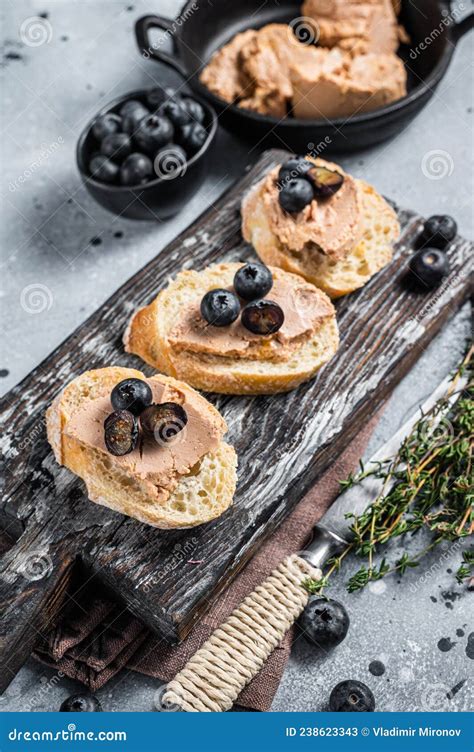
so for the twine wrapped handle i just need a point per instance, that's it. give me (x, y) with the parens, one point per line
(213, 678)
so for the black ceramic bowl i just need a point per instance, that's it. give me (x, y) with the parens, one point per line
(434, 29)
(159, 198)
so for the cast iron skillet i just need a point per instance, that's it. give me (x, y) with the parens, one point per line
(202, 28)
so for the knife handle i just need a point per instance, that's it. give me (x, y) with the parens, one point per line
(213, 678)
(324, 544)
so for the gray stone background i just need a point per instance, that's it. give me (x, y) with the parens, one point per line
(62, 256)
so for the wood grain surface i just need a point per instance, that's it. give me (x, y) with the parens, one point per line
(284, 443)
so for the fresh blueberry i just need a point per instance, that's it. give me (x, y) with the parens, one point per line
(325, 182)
(117, 146)
(132, 119)
(105, 125)
(164, 421)
(102, 168)
(136, 169)
(130, 106)
(81, 704)
(438, 231)
(153, 132)
(351, 696)
(324, 622)
(157, 96)
(176, 111)
(192, 136)
(195, 109)
(296, 167)
(220, 307)
(253, 281)
(120, 432)
(262, 317)
(132, 395)
(428, 267)
(295, 194)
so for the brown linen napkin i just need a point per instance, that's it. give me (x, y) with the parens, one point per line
(98, 638)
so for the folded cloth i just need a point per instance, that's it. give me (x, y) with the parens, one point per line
(97, 638)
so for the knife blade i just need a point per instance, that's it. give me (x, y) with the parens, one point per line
(333, 532)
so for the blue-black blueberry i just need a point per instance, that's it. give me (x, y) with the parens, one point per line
(136, 169)
(263, 317)
(253, 281)
(153, 132)
(438, 231)
(103, 169)
(220, 307)
(104, 125)
(351, 696)
(81, 704)
(428, 267)
(120, 432)
(117, 146)
(131, 394)
(295, 194)
(324, 622)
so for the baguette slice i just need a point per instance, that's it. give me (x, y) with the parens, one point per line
(203, 494)
(148, 336)
(371, 254)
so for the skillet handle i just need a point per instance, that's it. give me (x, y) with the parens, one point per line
(463, 27)
(149, 50)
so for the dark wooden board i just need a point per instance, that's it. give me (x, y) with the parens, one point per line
(284, 442)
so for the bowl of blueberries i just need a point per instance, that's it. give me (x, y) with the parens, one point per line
(144, 155)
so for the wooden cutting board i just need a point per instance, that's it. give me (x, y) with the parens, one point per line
(284, 443)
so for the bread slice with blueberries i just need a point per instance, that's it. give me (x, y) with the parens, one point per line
(150, 448)
(236, 329)
(311, 218)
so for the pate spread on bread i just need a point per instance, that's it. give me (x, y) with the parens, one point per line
(336, 241)
(179, 475)
(236, 356)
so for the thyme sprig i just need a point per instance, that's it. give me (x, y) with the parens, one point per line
(428, 486)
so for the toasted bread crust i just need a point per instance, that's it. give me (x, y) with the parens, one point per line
(108, 485)
(148, 336)
(372, 253)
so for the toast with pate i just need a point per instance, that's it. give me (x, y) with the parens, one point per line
(172, 335)
(337, 242)
(179, 475)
